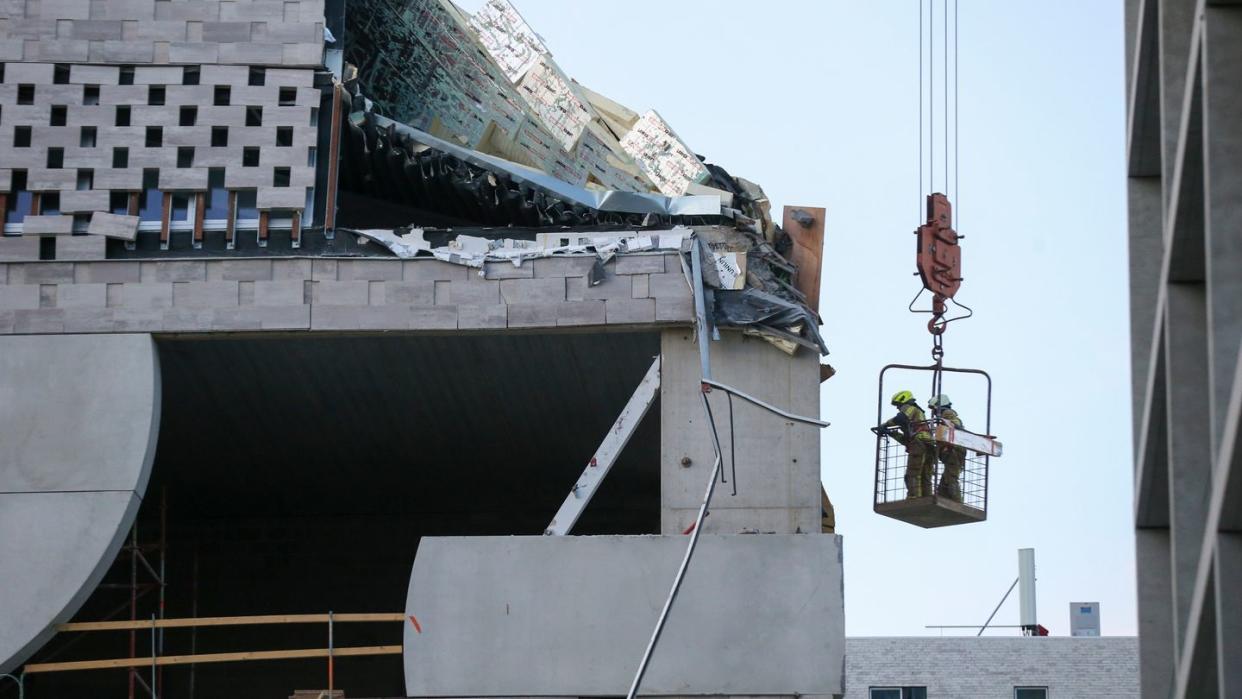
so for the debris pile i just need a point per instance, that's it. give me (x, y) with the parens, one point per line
(479, 148)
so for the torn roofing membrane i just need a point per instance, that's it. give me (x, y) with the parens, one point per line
(468, 119)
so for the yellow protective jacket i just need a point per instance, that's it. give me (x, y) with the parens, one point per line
(950, 415)
(912, 421)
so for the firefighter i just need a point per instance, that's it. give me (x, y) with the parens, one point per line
(952, 456)
(917, 439)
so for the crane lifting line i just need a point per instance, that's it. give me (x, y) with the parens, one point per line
(706, 385)
(697, 528)
(927, 119)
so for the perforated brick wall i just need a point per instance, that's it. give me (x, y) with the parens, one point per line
(242, 32)
(158, 122)
(101, 99)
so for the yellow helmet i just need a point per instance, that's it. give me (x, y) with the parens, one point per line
(902, 397)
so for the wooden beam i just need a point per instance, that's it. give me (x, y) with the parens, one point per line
(4, 202)
(264, 216)
(230, 621)
(334, 155)
(133, 203)
(231, 228)
(805, 226)
(165, 220)
(210, 658)
(200, 213)
(296, 231)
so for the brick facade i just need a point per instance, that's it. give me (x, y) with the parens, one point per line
(991, 667)
(303, 293)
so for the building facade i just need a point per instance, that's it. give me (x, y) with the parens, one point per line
(1184, 161)
(991, 667)
(283, 334)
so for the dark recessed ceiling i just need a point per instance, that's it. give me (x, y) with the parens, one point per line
(442, 427)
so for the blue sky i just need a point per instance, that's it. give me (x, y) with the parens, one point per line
(817, 102)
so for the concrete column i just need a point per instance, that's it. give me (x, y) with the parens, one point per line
(1228, 569)
(1222, 151)
(1176, 20)
(1155, 622)
(1146, 253)
(1190, 457)
(777, 461)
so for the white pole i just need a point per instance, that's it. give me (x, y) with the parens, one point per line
(1026, 588)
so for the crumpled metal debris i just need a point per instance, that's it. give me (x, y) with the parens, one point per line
(475, 251)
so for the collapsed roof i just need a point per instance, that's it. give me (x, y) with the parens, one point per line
(466, 121)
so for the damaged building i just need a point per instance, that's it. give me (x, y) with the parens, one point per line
(356, 346)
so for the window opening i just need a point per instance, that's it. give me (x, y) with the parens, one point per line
(217, 195)
(150, 204)
(18, 203)
(49, 204)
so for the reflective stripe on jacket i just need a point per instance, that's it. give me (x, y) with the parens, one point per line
(910, 419)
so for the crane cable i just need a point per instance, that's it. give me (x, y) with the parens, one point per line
(949, 112)
(948, 101)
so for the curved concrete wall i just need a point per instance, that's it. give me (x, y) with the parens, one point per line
(79, 417)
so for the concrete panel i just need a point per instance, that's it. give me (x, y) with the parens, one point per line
(74, 460)
(47, 577)
(47, 225)
(62, 434)
(81, 247)
(556, 616)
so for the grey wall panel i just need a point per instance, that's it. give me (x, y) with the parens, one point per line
(77, 413)
(556, 616)
(55, 549)
(79, 416)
